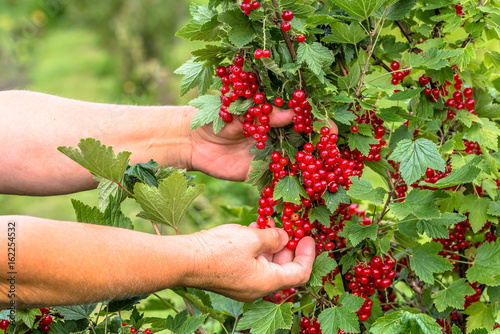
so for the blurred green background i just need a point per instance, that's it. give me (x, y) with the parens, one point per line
(113, 51)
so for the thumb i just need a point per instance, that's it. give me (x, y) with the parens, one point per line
(272, 240)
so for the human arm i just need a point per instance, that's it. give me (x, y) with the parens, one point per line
(62, 263)
(34, 125)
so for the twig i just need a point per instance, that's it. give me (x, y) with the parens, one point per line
(289, 45)
(166, 302)
(412, 282)
(155, 226)
(391, 193)
(378, 61)
(466, 42)
(436, 31)
(408, 300)
(191, 313)
(404, 31)
(338, 59)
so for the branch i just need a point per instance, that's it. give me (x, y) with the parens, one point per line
(289, 45)
(363, 70)
(378, 61)
(404, 31)
(412, 282)
(338, 59)
(389, 197)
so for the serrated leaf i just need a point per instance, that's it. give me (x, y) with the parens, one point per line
(380, 167)
(27, 316)
(432, 59)
(125, 304)
(397, 11)
(453, 295)
(266, 317)
(343, 316)
(315, 55)
(342, 115)
(192, 324)
(494, 208)
(485, 134)
(322, 266)
(240, 106)
(208, 110)
(99, 159)
(204, 25)
(361, 143)
(364, 191)
(360, 8)
(464, 57)
(401, 322)
(345, 33)
(242, 31)
(227, 305)
(321, 214)
(415, 157)
(332, 200)
(290, 189)
(492, 58)
(419, 203)
(144, 172)
(480, 316)
(405, 94)
(290, 67)
(460, 175)
(486, 266)
(196, 74)
(260, 175)
(112, 216)
(426, 262)
(356, 233)
(478, 211)
(168, 203)
(107, 189)
(76, 312)
(438, 227)
(350, 81)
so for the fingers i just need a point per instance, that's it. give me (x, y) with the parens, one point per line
(297, 273)
(280, 117)
(272, 240)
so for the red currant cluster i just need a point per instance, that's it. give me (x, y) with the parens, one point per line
(459, 10)
(308, 326)
(469, 300)
(282, 296)
(472, 147)
(238, 83)
(401, 187)
(247, 6)
(4, 324)
(302, 108)
(259, 53)
(44, 320)
(378, 130)
(287, 17)
(432, 176)
(326, 238)
(376, 274)
(399, 76)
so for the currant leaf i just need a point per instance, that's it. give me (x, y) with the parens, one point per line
(343, 316)
(322, 266)
(265, 318)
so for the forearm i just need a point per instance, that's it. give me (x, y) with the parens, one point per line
(34, 125)
(63, 263)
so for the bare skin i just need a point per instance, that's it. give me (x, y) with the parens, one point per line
(61, 263)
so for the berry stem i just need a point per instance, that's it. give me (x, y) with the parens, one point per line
(391, 193)
(157, 230)
(165, 302)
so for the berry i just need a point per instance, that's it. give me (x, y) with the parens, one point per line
(278, 101)
(286, 26)
(287, 15)
(266, 53)
(4, 324)
(301, 38)
(468, 92)
(395, 65)
(354, 129)
(258, 53)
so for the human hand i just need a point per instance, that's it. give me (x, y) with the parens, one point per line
(226, 155)
(246, 263)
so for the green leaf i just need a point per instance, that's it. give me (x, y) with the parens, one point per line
(426, 262)
(405, 94)
(343, 116)
(361, 143)
(99, 159)
(76, 312)
(345, 33)
(451, 203)
(350, 81)
(107, 189)
(196, 74)
(464, 57)
(364, 191)
(208, 110)
(271, 65)
(168, 203)
(27, 316)
(485, 134)
(112, 216)
(332, 200)
(144, 172)
(202, 27)
(240, 106)
(486, 266)
(266, 317)
(183, 324)
(260, 176)
(453, 295)
(494, 208)
(380, 167)
(321, 214)
(322, 266)
(343, 316)
(125, 304)
(419, 203)
(404, 322)
(290, 189)
(480, 316)
(315, 55)
(360, 8)
(356, 233)
(460, 175)
(415, 157)
(242, 31)
(432, 59)
(438, 227)
(397, 11)
(478, 211)
(227, 305)
(492, 58)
